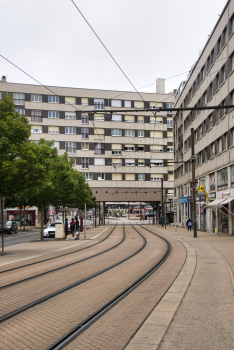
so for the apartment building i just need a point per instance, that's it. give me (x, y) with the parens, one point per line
(210, 83)
(123, 154)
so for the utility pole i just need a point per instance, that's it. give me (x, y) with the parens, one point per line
(194, 217)
(162, 214)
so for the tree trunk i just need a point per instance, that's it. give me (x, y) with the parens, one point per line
(24, 218)
(20, 216)
(2, 223)
(42, 223)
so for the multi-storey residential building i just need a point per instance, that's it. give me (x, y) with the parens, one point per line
(123, 155)
(210, 83)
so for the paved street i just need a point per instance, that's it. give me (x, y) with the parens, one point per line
(20, 237)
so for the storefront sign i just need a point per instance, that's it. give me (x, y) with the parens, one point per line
(183, 200)
(201, 198)
(211, 195)
(176, 201)
(190, 199)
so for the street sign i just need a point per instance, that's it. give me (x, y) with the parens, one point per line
(54, 211)
(201, 188)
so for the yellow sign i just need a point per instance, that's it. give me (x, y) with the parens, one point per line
(201, 188)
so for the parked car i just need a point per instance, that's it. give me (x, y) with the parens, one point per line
(50, 230)
(11, 227)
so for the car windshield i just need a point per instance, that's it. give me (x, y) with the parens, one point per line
(9, 223)
(51, 225)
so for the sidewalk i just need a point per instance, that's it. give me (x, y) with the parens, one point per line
(197, 313)
(32, 249)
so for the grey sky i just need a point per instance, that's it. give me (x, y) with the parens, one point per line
(149, 39)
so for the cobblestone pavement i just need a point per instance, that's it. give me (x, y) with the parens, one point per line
(116, 327)
(79, 253)
(42, 325)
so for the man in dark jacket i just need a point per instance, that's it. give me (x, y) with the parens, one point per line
(189, 224)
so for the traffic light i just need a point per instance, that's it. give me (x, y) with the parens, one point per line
(152, 204)
(175, 207)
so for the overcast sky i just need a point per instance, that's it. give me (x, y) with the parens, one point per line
(149, 39)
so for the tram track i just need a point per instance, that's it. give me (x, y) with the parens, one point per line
(39, 261)
(106, 297)
(62, 290)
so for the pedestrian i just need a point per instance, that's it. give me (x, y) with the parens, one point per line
(72, 227)
(160, 221)
(66, 228)
(189, 224)
(77, 228)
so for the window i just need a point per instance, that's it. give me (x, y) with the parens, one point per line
(212, 57)
(202, 73)
(85, 133)
(231, 141)
(36, 98)
(156, 105)
(222, 110)
(19, 99)
(219, 45)
(70, 100)
(156, 134)
(156, 162)
(36, 129)
(212, 151)
(70, 147)
(84, 101)
(225, 36)
(53, 129)
(141, 162)
(222, 179)
(141, 148)
(138, 104)
(232, 63)
(53, 99)
(141, 177)
(129, 148)
(156, 148)
(217, 81)
(99, 161)
(130, 177)
(117, 177)
(232, 25)
(140, 119)
(116, 103)
(99, 148)
(127, 104)
(53, 114)
(232, 176)
(70, 115)
(210, 121)
(116, 118)
(88, 176)
(116, 132)
(101, 176)
(20, 111)
(129, 162)
(57, 144)
(205, 99)
(169, 149)
(222, 74)
(84, 119)
(170, 105)
(36, 116)
(210, 91)
(98, 103)
(140, 133)
(156, 177)
(169, 123)
(99, 134)
(129, 133)
(129, 118)
(208, 63)
(70, 130)
(99, 118)
(85, 163)
(117, 162)
(116, 149)
(224, 141)
(84, 146)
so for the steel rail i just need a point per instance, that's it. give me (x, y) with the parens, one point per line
(55, 257)
(75, 332)
(63, 267)
(52, 295)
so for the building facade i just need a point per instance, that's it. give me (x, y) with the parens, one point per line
(123, 155)
(210, 83)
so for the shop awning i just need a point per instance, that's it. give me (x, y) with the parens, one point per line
(227, 200)
(215, 203)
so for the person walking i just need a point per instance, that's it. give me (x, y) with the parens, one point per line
(189, 224)
(72, 227)
(66, 228)
(77, 228)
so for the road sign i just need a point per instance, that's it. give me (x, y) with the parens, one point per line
(201, 188)
(54, 211)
